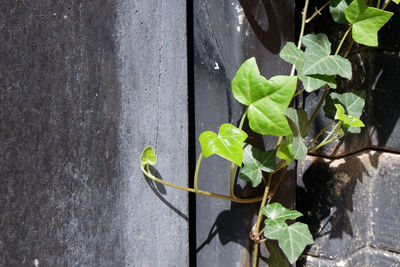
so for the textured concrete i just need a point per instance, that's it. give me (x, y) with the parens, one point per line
(85, 85)
(225, 34)
(352, 209)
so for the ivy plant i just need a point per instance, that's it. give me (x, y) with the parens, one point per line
(269, 111)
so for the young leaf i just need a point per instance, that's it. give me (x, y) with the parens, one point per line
(228, 143)
(276, 258)
(290, 53)
(267, 100)
(285, 150)
(317, 58)
(337, 8)
(148, 156)
(366, 22)
(256, 161)
(353, 102)
(292, 239)
(396, 1)
(279, 213)
(347, 120)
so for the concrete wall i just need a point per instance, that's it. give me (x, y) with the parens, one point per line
(85, 86)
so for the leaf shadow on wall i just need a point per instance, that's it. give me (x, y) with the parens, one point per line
(265, 18)
(325, 197)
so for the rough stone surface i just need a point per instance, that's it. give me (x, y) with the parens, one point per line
(85, 86)
(351, 205)
(225, 34)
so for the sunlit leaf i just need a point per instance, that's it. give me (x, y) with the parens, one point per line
(317, 58)
(228, 143)
(148, 156)
(353, 102)
(255, 161)
(396, 1)
(366, 22)
(285, 150)
(276, 257)
(299, 149)
(347, 120)
(279, 213)
(293, 55)
(292, 239)
(337, 8)
(267, 100)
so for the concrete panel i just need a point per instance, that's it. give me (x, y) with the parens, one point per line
(225, 34)
(85, 85)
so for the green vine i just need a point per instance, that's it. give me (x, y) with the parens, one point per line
(268, 113)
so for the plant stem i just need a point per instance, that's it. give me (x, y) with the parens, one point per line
(201, 192)
(259, 217)
(320, 103)
(378, 4)
(317, 12)
(320, 133)
(303, 24)
(276, 185)
(342, 40)
(298, 93)
(196, 173)
(232, 175)
(334, 131)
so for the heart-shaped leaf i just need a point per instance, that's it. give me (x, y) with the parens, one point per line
(317, 58)
(337, 8)
(285, 150)
(267, 100)
(353, 102)
(228, 143)
(366, 22)
(293, 55)
(279, 213)
(276, 257)
(255, 161)
(148, 156)
(347, 120)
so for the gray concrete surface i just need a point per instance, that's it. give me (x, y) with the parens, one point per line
(84, 87)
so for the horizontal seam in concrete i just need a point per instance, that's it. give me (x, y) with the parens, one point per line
(371, 148)
(376, 249)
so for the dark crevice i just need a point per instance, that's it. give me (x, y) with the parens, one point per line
(370, 148)
(191, 133)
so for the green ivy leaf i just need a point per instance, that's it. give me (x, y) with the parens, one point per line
(148, 156)
(298, 121)
(228, 143)
(292, 239)
(366, 22)
(290, 53)
(396, 1)
(347, 120)
(353, 102)
(299, 149)
(276, 258)
(267, 100)
(256, 161)
(285, 150)
(279, 213)
(317, 58)
(337, 8)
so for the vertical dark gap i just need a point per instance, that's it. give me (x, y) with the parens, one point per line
(191, 133)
